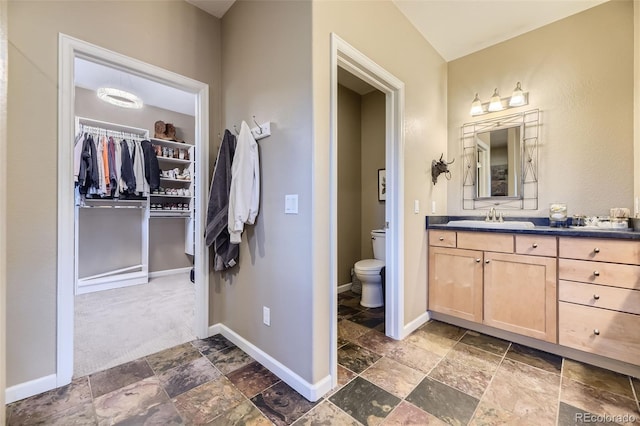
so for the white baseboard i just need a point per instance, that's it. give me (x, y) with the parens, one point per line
(166, 272)
(415, 324)
(30, 388)
(344, 287)
(311, 391)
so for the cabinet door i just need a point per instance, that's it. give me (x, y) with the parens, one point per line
(520, 294)
(455, 282)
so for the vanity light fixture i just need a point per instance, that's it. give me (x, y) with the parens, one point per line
(517, 97)
(476, 106)
(119, 98)
(496, 103)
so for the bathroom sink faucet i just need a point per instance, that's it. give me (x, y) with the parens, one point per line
(492, 216)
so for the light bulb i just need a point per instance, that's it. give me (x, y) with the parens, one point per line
(476, 106)
(517, 98)
(495, 104)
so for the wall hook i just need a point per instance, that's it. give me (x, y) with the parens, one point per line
(259, 128)
(235, 129)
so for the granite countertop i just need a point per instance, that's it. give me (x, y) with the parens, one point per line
(542, 228)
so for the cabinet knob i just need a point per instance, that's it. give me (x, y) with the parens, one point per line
(596, 332)
(441, 238)
(478, 260)
(535, 245)
(596, 273)
(596, 250)
(596, 297)
(487, 261)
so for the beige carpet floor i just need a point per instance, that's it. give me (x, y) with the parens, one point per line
(120, 325)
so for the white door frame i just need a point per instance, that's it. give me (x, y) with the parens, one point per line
(70, 48)
(345, 56)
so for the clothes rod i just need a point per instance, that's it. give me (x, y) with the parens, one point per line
(113, 207)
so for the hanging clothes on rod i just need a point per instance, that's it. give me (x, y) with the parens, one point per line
(112, 164)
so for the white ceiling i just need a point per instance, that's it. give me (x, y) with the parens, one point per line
(456, 28)
(90, 75)
(216, 8)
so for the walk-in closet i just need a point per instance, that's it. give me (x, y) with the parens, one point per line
(135, 192)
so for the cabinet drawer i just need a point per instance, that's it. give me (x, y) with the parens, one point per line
(442, 238)
(617, 299)
(613, 274)
(536, 245)
(600, 331)
(618, 251)
(502, 243)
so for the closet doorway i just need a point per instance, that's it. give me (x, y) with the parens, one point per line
(161, 241)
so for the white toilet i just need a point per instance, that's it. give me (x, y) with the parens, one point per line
(368, 272)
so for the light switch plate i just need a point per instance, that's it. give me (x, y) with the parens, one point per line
(291, 204)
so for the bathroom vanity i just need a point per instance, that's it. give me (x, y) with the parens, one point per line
(562, 290)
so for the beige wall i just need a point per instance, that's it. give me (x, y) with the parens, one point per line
(3, 202)
(349, 183)
(172, 35)
(166, 236)
(636, 98)
(377, 29)
(579, 73)
(372, 158)
(266, 69)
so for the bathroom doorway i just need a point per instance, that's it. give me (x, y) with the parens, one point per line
(361, 202)
(346, 58)
(70, 51)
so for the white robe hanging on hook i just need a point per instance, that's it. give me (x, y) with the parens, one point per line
(244, 196)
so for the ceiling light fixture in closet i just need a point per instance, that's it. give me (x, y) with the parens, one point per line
(119, 98)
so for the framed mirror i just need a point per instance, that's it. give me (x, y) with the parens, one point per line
(500, 162)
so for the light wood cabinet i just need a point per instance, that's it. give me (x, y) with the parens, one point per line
(455, 282)
(483, 281)
(520, 294)
(600, 331)
(599, 309)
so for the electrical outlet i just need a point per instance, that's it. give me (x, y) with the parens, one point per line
(266, 316)
(433, 207)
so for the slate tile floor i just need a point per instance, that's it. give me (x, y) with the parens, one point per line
(441, 374)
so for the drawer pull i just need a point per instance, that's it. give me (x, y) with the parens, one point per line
(478, 260)
(596, 332)
(487, 261)
(596, 297)
(441, 238)
(535, 245)
(596, 250)
(596, 273)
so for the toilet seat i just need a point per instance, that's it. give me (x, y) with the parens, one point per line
(369, 265)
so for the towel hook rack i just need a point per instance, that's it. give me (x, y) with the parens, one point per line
(259, 128)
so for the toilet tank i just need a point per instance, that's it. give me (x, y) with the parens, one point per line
(377, 238)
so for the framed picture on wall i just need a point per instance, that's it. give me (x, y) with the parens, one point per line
(382, 185)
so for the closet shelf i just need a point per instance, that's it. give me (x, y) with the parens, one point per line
(170, 196)
(173, 160)
(171, 144)
(176, 180)
(170, 213)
